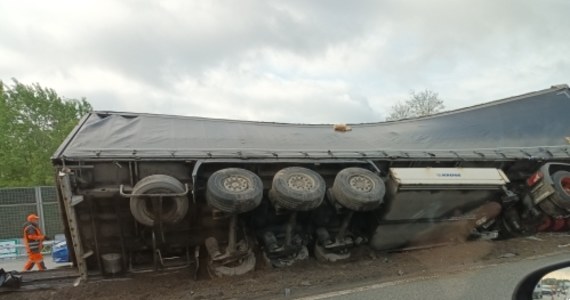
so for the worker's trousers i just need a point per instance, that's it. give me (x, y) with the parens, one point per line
(37, 259)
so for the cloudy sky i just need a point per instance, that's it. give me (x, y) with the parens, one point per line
(291, 61)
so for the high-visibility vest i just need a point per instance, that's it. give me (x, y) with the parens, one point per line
(33, 238)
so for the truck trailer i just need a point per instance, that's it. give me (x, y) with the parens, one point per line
(148, 192)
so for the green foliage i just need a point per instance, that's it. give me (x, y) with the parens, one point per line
(420, 104)
(34, 121)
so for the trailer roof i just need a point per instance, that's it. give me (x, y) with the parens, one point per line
(533, 125)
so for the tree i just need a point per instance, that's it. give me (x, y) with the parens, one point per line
(420, 104)
(34, 121)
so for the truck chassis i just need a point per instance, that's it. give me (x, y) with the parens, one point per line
(142, 192)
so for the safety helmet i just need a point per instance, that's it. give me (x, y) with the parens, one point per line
(33, 218)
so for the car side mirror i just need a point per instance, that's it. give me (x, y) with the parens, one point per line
(545, 281)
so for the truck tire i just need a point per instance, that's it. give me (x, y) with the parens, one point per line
(234, 190)
(174, 208)
(561, 181)
(558, 204)
(297, 189)
(358, 189)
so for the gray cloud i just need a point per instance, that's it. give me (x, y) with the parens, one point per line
(298, 61)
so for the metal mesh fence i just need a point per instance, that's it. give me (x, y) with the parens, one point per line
(52, 219)
(17, 203)
(48, 194)
(17, 196)
(13, 217)
(52, 214)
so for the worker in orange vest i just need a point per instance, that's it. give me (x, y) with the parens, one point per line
(33, 239)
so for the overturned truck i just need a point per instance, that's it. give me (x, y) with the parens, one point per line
(146, 192)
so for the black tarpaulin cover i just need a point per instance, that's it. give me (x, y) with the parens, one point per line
(534, 125)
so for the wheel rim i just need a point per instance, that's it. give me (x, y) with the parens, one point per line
(565, 183)
(301, 182)
(361, 183)
(236, 183)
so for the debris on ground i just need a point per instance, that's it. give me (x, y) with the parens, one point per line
(534, 238)
(271, 283)
(77, 282)
(10, 279)
(507, 255)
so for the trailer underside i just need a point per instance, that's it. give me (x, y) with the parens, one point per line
(148, 192)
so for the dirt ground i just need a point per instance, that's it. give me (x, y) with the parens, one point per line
(309, 277)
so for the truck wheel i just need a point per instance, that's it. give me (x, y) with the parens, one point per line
(561, 181)
(173, 208)
(234, 190)
(298, 189)
(358, 189)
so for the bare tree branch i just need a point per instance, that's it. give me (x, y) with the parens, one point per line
(420, 104)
